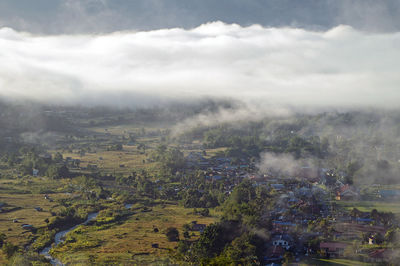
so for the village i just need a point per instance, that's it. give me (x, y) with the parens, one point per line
(307, 218)
(178, 189)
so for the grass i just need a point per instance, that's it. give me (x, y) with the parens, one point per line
(110, 161)
(131, 240)
(125, 129)
(335, 262)
(31, 185)
(22, 208)
(367, 206)
(117, 242)
(3, 259)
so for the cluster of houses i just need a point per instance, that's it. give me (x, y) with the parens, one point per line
(220, 168)
(304, 200)
(345, 192)
(298, 204)
(72, 163)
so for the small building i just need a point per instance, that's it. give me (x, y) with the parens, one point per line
(371, 240)
(75, 162)
(283, 241)
(274, 254)
(45, 156)
(364, 220)
(280, 226)
(35, 172)
(92, 167)
(345, 192)
(27, 226)
(199, 227)
(333, 249)
(389, 194)
(277, 186)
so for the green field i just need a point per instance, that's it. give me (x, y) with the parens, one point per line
(334, 262)
(367, 206)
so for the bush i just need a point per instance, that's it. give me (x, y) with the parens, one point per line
(30, 258)
(172, 234)
(9, 249)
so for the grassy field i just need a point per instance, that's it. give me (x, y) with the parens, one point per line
(367, 206)
(126, 241)
(3, 260)
(125, 129)
(129, 242)
(22, 207)
(334, 262)
(32, 185)
(111, 161)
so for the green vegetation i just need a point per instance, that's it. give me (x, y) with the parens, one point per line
(367, 206)
(205, 195)
(336, 262)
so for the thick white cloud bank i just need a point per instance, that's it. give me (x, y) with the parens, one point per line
(341, 67)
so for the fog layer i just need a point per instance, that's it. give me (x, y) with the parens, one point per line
(341, 67)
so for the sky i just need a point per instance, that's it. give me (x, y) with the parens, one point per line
(130, 53)
(102, 16)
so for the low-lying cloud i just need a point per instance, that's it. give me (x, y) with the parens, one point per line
(242, 113)
(341, 67)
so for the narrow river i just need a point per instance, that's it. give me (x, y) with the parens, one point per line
(60, 235)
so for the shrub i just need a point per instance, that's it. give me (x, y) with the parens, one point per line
(172, 234)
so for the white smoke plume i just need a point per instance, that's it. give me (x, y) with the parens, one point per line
(285, 165)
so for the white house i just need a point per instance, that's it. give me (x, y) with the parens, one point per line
(283, 242)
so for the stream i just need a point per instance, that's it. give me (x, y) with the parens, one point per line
(59, 238)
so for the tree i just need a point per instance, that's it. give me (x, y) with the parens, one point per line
(2, 239)
(141, 146)
(132, 138)
(379, 238)
(56, 172)
(392, 235)
(355, 213)
(9, 249)
(58, 157)
(172, 234)
(288, 257)
(186, 234)
(242, 250)
(211, 242)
